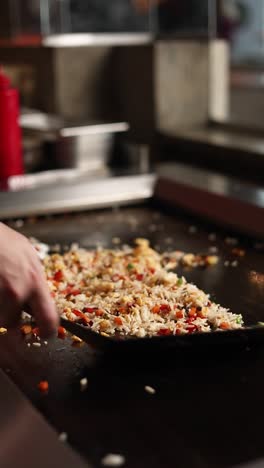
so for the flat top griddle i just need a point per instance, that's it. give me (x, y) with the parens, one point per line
(207, 411)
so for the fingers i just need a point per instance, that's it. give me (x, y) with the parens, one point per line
(43, 309)
(10, 310)
(22, 281)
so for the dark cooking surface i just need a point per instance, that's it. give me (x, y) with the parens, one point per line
(207, 412)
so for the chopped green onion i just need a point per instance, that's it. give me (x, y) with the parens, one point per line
(130, 266)
(180, 281)
(239, 320)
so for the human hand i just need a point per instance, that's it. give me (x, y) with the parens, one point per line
(22, 283)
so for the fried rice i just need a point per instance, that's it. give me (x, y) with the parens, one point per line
(131, 291)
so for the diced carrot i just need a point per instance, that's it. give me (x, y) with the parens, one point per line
(156, 309)
(26, 329)
(122, 310)
(192, 312)
(118, 321)
(179, 314)
(43, 386)
(224, 326)
(99, 313)
(139, 277)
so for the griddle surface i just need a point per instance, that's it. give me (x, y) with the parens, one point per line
(207, 412)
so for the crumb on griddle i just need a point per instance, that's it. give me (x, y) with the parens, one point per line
(113, 460)
(36, 344)
(150, 390)
(83, 384)
(63, 437)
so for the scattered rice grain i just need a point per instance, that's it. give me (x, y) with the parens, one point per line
(113, 460)
(63, 437)
(83, 384)
(150, 390)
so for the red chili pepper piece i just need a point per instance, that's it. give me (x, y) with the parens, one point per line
(139, 277)
(71, 291)
(191, 329)
(36, 331)
(190, 319)
(75, 292)
(58, 276)
(43, 386)
(89, 310)
(62, 333)
(165, 308)
(165, 332)
(80, 314)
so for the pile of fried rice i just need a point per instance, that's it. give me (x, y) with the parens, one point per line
(131, 291)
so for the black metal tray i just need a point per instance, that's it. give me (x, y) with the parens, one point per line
(242, 338)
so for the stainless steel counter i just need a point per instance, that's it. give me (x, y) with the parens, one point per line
(71, 193)
(223, 199)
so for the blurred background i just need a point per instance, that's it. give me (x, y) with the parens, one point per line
(130, 83)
